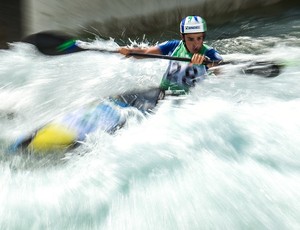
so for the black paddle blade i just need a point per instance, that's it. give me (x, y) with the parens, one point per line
(263, 69)
(53, 43)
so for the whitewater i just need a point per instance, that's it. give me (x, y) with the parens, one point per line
(226, 156)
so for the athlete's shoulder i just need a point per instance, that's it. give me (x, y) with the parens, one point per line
(168, 47)
(212, 53)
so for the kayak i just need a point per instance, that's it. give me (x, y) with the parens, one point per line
(71, 129)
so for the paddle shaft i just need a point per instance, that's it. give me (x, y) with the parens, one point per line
(139, 54)
(149, 55)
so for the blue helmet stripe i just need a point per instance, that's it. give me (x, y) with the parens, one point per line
(182, 25)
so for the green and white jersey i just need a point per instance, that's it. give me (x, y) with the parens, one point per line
(181, 76)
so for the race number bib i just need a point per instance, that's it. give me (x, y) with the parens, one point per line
(182, 76)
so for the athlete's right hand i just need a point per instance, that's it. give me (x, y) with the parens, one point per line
(197, 59)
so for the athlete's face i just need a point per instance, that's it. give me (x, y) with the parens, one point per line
(193, 42)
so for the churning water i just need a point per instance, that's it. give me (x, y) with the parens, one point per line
(225, 157)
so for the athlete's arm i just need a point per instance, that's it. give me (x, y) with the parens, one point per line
(151, 50)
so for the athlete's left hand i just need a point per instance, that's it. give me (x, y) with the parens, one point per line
(197, 59)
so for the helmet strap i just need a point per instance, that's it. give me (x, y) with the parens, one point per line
(183, 40)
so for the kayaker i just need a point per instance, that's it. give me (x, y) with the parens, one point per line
(179, 75)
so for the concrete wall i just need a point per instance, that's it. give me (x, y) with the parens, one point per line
(128, 17)
(11, 23)
(108, 17)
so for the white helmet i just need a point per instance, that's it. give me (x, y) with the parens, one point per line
(192, 24)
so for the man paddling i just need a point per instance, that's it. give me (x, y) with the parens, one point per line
(181, 76)
(178, 77)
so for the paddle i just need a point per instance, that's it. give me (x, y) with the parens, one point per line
(57, 43)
